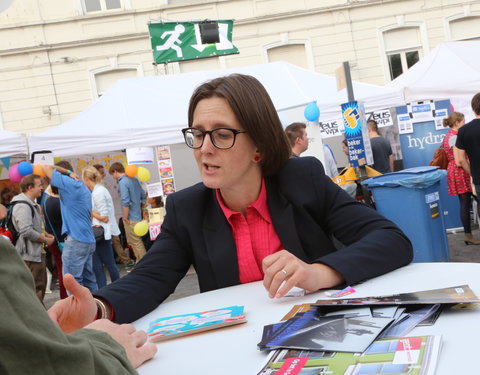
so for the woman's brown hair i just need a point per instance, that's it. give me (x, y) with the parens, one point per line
(255, 111)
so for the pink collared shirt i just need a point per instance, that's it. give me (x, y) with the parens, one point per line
(254, 236)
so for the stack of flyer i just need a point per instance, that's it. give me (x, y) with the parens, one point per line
(360, 335)
(186, 324)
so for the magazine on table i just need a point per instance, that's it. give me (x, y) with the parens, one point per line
(310, 331)
(180, 325)
(451, 295)
(400, 355)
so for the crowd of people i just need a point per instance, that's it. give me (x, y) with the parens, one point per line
(246, 221)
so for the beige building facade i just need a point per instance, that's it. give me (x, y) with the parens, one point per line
(58, 56)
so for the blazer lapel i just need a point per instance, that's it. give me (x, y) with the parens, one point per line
(281, 212)
(220, 245)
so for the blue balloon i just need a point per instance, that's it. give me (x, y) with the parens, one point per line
(312, 112)
(24, 168)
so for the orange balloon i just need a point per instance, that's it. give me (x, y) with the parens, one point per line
(38, 170)
(131, 170)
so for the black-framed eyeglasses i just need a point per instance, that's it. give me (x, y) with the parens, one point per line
(222, 138)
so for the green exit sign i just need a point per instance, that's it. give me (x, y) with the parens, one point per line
(178, 41)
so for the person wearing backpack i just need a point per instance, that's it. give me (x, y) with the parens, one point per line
(32, 238)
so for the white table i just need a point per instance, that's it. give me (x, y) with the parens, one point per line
(233, 350)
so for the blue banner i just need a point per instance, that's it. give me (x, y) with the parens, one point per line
(356, 134)
(418, 147)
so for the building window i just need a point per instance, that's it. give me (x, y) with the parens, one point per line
(465, 28)
(403, 48)
(104, 80)
(99, 5)
(398, 63)
(291, 53)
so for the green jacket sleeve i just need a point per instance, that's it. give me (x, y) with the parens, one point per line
(31, 343)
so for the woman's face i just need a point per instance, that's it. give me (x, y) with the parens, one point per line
(233, 168)
(460, 123)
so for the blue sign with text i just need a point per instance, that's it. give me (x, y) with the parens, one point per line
(419, 145)
(356, 134)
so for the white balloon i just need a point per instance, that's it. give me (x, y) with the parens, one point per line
(4, 4)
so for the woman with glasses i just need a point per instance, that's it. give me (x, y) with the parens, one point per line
(257, 215)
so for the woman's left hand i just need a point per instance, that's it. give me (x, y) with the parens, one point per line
(283, 271)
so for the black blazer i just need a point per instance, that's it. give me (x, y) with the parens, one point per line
(307, 210)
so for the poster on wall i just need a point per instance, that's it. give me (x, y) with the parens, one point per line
(154, 190)
(422, 111)
(405, 124)
(440, 115)
(165, 169)
(140, 155)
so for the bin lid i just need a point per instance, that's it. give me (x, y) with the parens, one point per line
(417, 177)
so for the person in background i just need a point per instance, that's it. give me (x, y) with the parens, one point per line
(6, 196)
(133, 198)
(345, 150)
(458, 181)
(468, 144)
(297, 136)
(52, 215)
(49, 260)
(257, 215)
(76, 207)
(381, 149)
(103, 215)
(117, 245)
(32, 236)
(33, 342)
(45, 191)
(330, 164)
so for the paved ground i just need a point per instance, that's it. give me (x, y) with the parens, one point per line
(459, 252)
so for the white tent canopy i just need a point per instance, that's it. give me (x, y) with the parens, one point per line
(12, 144)
(450, 70)
(149, 111)
(323, 89)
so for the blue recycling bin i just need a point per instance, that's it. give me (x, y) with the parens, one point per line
(411, 199)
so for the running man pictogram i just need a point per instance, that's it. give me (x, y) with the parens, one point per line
(173, 37)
